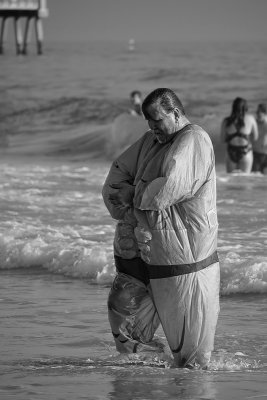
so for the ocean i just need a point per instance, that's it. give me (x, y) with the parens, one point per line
(56, 258)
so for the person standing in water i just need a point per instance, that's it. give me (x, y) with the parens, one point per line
(166, 184)
(260, 146)
(237, 131)
(136, 103)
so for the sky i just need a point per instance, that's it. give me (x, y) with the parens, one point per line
(158, 20)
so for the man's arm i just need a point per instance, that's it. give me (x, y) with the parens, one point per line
(117, 175)
(187, 167)
(121, 175)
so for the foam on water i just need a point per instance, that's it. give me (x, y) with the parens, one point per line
(242, 276)
(136, 363)
(53, 218)
(73, 261)
(88, 260)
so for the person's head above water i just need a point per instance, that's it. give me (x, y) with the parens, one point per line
(136, 101)
(136, 94)
(165, 113)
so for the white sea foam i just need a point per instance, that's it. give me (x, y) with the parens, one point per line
(243, 276)
(53, 217)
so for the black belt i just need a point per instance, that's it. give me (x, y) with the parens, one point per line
(137, 268)
(166, 271)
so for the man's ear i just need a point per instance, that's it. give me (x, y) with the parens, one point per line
(177, 114)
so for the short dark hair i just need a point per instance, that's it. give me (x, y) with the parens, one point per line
(262, 108)
(135, 93)
(166, 98)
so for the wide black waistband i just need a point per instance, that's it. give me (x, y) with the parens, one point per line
(137, 268)
(167, 271)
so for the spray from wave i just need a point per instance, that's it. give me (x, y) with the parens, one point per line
(78, 127)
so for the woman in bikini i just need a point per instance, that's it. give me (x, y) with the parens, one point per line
(237, 131)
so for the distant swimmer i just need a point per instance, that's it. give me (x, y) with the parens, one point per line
(136, 103)
(237, 131)
(260, 145)
(126, 127)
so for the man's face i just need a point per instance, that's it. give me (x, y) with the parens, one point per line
(163, 124)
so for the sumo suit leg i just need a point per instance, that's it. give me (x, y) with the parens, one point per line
(132, 315)
(188, 307)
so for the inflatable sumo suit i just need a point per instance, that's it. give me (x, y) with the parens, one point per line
(172, 229)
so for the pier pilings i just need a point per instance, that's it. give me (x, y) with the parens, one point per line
(29, 10)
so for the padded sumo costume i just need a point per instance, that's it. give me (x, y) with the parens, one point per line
(165, 246)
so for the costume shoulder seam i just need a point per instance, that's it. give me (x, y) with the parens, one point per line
(195, 131)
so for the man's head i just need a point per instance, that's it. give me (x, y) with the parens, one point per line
(136, 100)
(261, 112)
(164, 112)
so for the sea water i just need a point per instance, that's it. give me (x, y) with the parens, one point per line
(56, 258)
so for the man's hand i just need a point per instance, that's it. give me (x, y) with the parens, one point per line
(123, 196)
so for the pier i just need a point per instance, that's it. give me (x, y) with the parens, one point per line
(27, 10)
